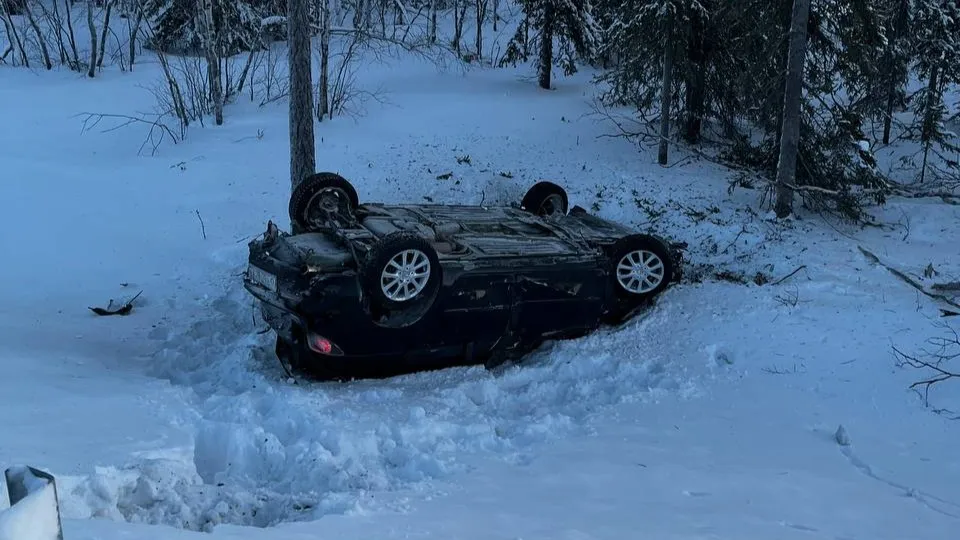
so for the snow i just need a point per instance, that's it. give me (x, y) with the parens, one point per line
(729, 410)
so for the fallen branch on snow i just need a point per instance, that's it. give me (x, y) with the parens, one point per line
(784, 278)
(155, 135)
(913, 283)
(125, 309)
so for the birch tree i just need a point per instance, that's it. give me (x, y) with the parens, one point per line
(210, 39)
(92, 26)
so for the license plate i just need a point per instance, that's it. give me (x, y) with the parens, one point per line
(262, 277)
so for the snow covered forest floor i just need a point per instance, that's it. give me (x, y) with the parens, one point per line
(715, 415)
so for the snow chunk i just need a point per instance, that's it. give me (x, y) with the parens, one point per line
(841, 436)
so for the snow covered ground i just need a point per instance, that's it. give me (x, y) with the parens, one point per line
(715, 415)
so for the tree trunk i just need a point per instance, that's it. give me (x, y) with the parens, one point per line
(666, 89)
(15, 39)
(888, 112)
(481, 14)
(433, 21)
(103, 38)
(398, 14)
(91, 71)
(901, 18)
(931, 99)
(793, 92)
(458, 14)
(496, 14)
(246, 70)
(302, 146)
(323, 97)
(71, 34)
(209, 35)
(545, 64)
(358, 14)
(13, 35)
(134, 32)
(696, 76)
(53, 16)
(213, 73)
(40, 39)
(526, 37)
(787, 18)
(383, 6)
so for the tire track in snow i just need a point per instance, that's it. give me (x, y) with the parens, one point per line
(266, 452)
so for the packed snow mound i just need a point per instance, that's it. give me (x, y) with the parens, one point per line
(267, 451)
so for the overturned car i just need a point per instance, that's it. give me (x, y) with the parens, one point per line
(373, 290)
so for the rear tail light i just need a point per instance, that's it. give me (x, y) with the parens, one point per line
(322, 345)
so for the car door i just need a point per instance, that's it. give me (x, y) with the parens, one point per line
(559, 297)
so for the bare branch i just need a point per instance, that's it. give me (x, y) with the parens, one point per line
(939, 374)
(155, 135)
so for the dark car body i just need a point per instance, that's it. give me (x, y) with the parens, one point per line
(509, 280)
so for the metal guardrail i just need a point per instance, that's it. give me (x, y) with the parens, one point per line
(24, 482)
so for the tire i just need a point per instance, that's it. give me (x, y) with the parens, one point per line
(545, 199)
(406, 297)
(641, 267)
(306, 198)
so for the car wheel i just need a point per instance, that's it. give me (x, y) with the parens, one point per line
(545, 199)
(642, 266)
(402, 275)
(321, 193)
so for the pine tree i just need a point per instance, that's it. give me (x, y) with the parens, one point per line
(895, 60)
(936, 31)
(565, 24)
(704, 62)
(177, 26)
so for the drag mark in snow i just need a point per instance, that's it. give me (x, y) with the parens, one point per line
(926, 499)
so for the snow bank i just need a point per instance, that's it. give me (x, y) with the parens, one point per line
(266, 451)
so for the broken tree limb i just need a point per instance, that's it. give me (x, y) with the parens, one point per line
(910, 281)
(784, 278)
(125, 309)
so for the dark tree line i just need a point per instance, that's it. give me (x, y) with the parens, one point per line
(728, 79)
(716, 74)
